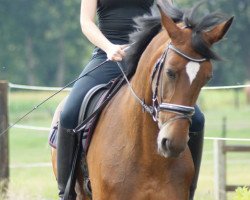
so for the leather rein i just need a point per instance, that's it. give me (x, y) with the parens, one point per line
(181, 111)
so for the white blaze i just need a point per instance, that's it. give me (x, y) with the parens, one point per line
(192, 68)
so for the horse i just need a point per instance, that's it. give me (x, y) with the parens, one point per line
(139, 147)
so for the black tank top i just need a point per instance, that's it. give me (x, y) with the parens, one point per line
(116, 17)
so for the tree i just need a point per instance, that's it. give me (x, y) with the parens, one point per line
(235, 68)
(41, 41)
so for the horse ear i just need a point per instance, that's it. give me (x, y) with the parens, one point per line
(173, 30)
(219, 31)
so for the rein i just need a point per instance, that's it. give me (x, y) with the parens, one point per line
(48, 98)
(181, 111)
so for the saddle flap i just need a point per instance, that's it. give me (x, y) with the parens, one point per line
(91, 101)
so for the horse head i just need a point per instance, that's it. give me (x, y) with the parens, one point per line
(182, 70)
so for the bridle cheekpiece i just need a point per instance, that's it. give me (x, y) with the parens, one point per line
(183, 112)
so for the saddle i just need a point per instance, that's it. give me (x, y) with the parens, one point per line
(93, 103)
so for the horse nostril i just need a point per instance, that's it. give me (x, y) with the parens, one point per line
(168, 148)
(164, 143)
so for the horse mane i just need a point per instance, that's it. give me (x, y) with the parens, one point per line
(148, 26)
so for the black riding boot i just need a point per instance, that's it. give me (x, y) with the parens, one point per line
(195, 144)
(65, 148)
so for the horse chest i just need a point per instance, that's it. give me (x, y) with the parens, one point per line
(142, 189)
(126, 180)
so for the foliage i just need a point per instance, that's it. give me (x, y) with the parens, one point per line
(40, 40)
(242, 194)
(234, 49)
(42, 43)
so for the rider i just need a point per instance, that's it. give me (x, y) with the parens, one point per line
(110, 38)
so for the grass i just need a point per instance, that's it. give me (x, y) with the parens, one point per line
(242, 194)
(29, 146)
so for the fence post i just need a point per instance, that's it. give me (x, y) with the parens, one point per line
(219, 170)
(4, 139)
(220, 164)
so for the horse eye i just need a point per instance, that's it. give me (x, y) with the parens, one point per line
(171, 74)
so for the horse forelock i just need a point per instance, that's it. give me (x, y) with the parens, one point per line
(149, 25)
(198, 24)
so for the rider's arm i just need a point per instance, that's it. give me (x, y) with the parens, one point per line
(93, 33)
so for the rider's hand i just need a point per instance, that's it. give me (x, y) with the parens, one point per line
(116, 52)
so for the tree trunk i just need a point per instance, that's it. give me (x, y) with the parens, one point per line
(30, 60)
(60, 75)
(247, 63)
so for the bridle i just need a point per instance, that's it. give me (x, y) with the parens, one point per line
(182, 112)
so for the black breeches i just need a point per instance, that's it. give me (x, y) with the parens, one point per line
(198, 120)
(102, 74)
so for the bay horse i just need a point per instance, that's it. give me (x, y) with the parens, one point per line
(138, 155)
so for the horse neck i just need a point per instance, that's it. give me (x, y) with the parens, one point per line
(141, 133)
(145, 129)
(141, 137)
(141, 81)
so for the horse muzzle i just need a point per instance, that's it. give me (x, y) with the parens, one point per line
(171, 143)
(167, 149)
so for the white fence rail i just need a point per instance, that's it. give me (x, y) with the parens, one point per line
(28, 87)
(39, 88)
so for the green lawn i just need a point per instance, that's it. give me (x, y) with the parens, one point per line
(31, 147)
